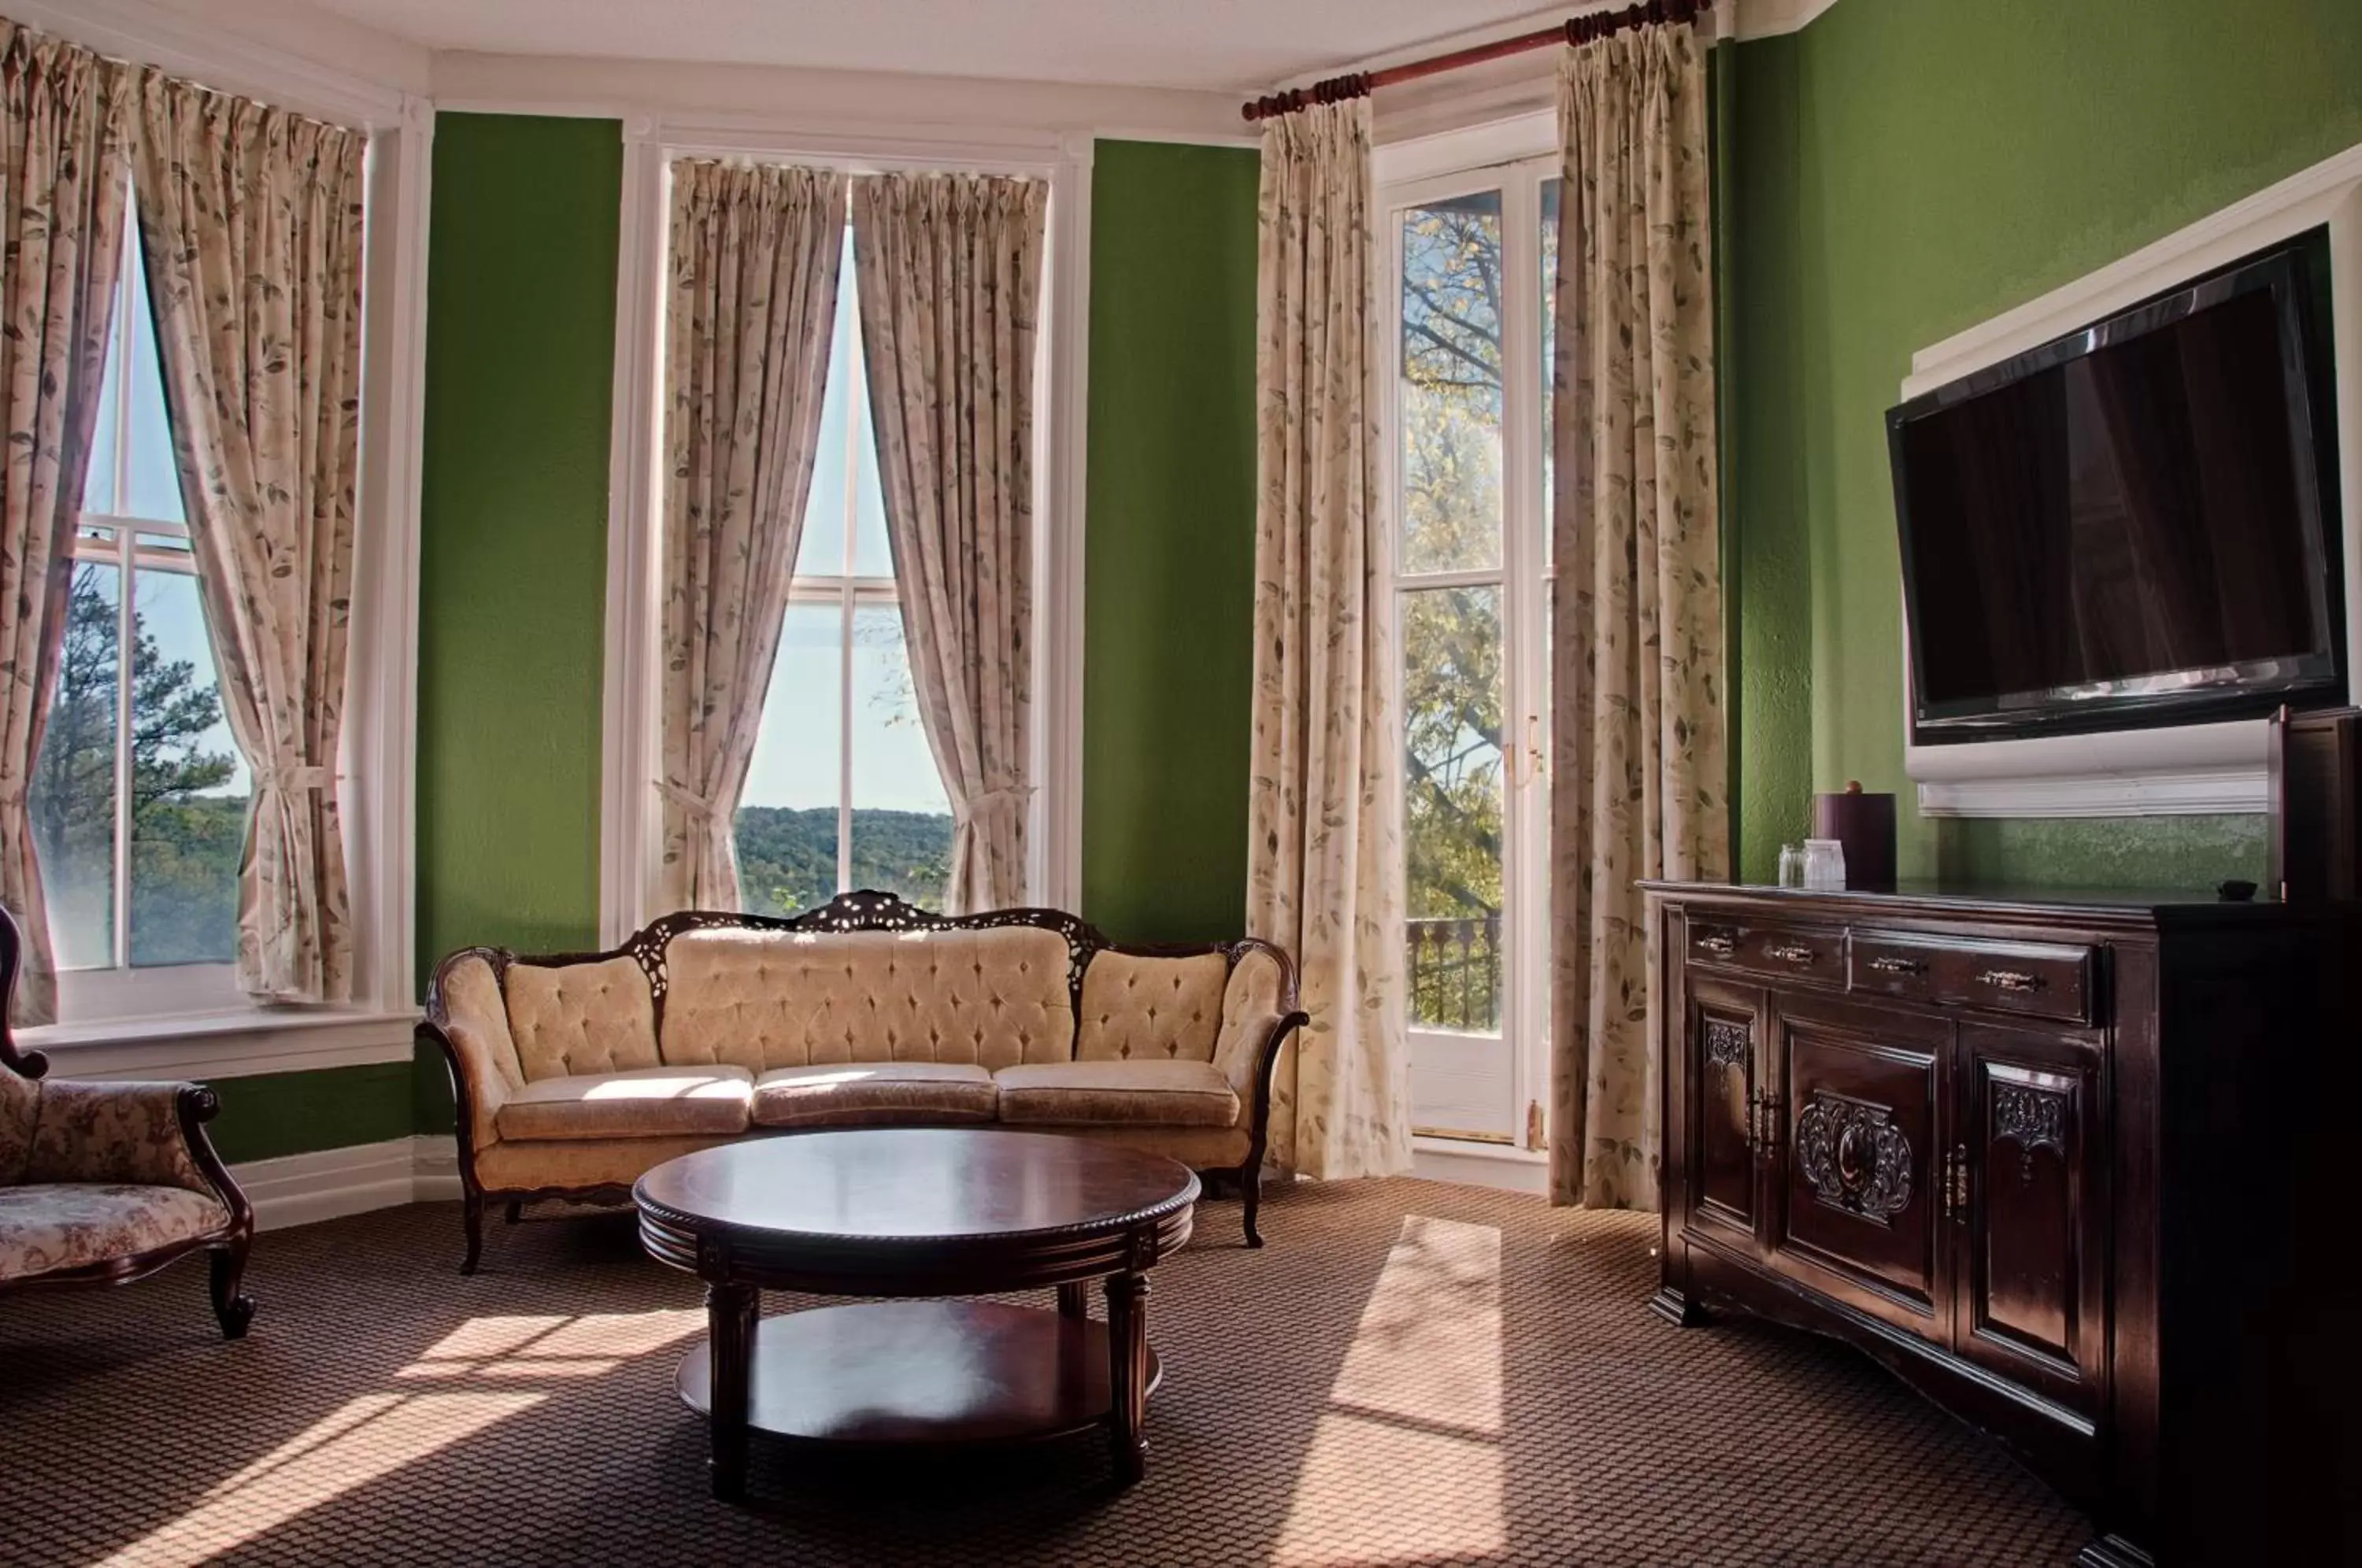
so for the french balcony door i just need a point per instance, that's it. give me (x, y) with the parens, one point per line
(1469, 257)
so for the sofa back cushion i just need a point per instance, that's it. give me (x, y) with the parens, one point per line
(570, 1019)
(765, 999)
(1151, 1010)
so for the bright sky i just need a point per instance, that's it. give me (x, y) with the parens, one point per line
(797, 759)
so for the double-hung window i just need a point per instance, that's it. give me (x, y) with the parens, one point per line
(843, 792)
(1469, 256)
(139, 795)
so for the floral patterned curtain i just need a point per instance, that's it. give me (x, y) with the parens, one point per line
(251, 219)
(950, 269)
(1638, 778)
(756, 251)
(65, 152)
(1324, 843)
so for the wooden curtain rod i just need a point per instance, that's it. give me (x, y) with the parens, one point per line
(1575, 32)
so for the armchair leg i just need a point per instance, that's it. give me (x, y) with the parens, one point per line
(1250, 1190)
(471, 1204)
(231, 1309)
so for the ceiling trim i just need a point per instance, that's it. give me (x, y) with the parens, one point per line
(1767, 18)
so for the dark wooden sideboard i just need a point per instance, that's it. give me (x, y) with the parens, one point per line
(2078, 1167)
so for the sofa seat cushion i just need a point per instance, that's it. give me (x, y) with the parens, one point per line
(648, 1102)
(49, 1226)
(859, 1094)
(1148, 1094)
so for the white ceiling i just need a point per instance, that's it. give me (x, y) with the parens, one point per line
(1229, 45)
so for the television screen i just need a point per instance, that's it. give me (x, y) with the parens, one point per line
(2125, 527)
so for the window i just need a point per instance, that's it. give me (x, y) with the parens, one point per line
(843, 792)
(1470, 259)
(139, 796)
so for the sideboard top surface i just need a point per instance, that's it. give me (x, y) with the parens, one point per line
(2180, 907)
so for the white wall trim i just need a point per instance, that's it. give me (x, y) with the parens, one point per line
(629, 825)
(1480, 1164)
(226, 1045)
(2189, 769)
(328, 1184)
(334, 69)
(1767, 18)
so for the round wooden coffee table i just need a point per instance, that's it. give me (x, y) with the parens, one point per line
(909, 1213)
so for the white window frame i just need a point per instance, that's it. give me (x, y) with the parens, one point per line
(151, 1024)
(631, 832)
(1515, 157)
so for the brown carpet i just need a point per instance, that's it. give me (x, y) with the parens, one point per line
(1411, 1372)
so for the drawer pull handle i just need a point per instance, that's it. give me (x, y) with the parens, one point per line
(1719, 946)
(2010, 980)
(1891, 966)
(1790, 952)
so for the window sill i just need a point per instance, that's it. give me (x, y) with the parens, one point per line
(233, 1042)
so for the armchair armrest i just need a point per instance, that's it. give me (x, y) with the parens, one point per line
(145, 1134)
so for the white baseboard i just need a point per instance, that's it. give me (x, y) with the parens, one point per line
(1480, 1164)
(328, 1184)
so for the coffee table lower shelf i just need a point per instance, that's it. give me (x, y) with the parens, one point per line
(928, 1372)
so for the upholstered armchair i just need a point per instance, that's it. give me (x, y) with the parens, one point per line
(104, 1183)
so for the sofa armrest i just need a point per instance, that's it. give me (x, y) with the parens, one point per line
(467, 1020)
(1259, 1014)
(143, 1134)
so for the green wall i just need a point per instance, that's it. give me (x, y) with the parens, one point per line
(513, 569)
(1951, 161)
(295, 1113)
(1169, 540)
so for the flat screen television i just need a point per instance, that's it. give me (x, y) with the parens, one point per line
(2131, 526)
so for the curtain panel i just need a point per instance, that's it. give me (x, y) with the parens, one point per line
(1324, 845)
(950, 269)
(251, 218)
(755, 253)
(1638, 784)
(66, 122)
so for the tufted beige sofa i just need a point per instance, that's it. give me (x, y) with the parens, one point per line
(574, 1074)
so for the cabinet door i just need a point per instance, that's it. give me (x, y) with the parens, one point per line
(2031, 1211)
(1863, 1118)
(1724, 1074)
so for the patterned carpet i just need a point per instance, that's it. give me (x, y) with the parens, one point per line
(1411, 1372)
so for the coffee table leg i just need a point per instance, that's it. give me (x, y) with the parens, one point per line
(731, 1311)
(1127, 1299)
(1074, 1300)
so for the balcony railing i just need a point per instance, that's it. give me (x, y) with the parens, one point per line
(1455, 973)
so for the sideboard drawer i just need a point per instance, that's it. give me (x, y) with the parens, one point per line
(1813, 954)
(2035, 979)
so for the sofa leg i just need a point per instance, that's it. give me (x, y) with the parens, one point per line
(1251, 1191)
(231, 1309)
(471, 1207)
(515, 1211)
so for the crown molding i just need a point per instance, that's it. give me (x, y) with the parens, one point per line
(1769, 19)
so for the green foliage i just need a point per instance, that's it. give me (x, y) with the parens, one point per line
(186, 839)
(786, 858)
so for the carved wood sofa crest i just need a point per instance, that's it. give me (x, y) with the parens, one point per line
(576, 1073)
(105, 1183)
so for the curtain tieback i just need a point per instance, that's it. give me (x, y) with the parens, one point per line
(1016, 795)
(291, 775)
(701, 807)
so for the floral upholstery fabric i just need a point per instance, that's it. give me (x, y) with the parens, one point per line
(647, 1102)
(1638, 778)
(1154, 1094)
(48, 1226)
(20, 1103)
(880, 1094)
(767, 1000)
(65, 153)
(476, 1022)
(1324, 841)
(1151, 1010)
(119, 1132)
(253, 221)
(570, 1019)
